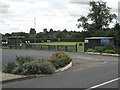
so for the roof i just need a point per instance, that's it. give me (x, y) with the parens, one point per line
(17, 37)
(100, 38)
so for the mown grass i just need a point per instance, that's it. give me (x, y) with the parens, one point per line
(57, 43)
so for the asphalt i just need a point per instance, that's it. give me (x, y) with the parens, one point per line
(87, 71)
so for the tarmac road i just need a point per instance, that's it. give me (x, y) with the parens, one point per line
(93, 71)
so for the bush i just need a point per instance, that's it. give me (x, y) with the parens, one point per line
(23, 59)
(28, 66)
(100, 48)
(90, 50)
(110, 51)
(9, 67)
(60, 59)
(17, 70)
(38, 67)
(109, 47)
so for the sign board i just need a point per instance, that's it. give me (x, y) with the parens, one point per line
(86, 41)
(104, 41)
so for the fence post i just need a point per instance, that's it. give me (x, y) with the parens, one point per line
(56, 48)
(76, 47)
(41, 47)
(66, 48)
(48, 47)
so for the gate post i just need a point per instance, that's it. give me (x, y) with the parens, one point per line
(76, 47)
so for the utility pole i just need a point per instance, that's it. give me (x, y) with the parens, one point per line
(35, 29)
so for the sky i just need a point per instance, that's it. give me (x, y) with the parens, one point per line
(19, 15)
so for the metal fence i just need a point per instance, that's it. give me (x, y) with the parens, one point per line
(69, 48)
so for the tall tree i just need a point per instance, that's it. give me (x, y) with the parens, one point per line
(98, 18)
(32, 31)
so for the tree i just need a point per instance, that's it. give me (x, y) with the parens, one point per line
(32, 31)
(117, 35)
(7, 34)
(98, 18)
(51, 30)
(33, 34)
(64, 31)
(60, 35)
(19, 34)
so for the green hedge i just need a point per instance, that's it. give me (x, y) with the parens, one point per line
(90, 50)
(100, 48)
(110, 51)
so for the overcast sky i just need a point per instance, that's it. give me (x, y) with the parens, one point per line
(18, 15)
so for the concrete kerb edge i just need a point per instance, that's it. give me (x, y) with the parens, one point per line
(36, 76)
(65, 68)
(104, 54)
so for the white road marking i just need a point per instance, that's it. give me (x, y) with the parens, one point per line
(96, 86)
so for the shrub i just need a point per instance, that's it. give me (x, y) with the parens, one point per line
(110, 51)
(95, 51)
(60, 59)
(109, 47)
(23, 59)
(54, 61)
(90, 50)
(9, 67)
(100, 48)
(28, 66)
(17, 70)
(38, 67)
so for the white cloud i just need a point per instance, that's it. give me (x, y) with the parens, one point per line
(18, 15)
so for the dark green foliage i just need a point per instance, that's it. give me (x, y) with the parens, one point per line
(100, 33)
(21, 60)
(90, 50)
(17, 70)
(99, 15)
(28, 66)
(110, 51)
(38, 67)
(32, 31)
(60, 59)
(54, 61)
(100, 48)
(9, 67)
(110, 46)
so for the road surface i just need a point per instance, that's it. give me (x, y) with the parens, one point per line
(88, 71)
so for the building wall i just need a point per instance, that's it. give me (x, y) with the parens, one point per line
(13, 41)
(92, 43)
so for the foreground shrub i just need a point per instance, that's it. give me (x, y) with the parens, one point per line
(23, 59)
(28, 66)
(100, 48)
(9, 67)
(17, 70)
(38, 67)
(60, 59)
(110, 51)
